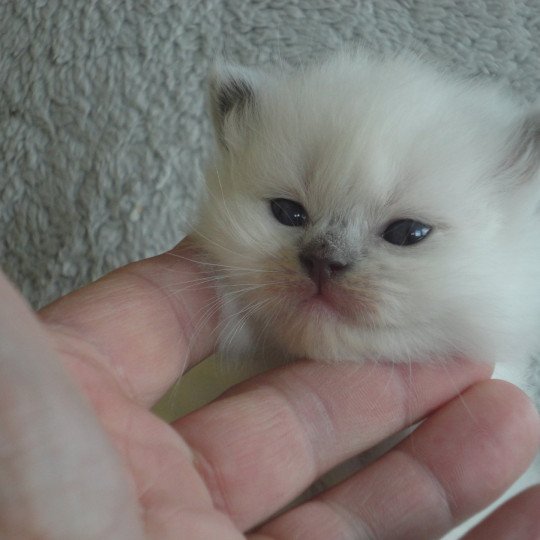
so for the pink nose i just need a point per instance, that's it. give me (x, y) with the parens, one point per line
(320, 268)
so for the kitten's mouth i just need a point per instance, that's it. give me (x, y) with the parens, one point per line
(328, 299)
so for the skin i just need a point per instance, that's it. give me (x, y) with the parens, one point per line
(82, 457)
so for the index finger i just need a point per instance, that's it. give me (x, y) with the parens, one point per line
(282, 430)
(144, 323)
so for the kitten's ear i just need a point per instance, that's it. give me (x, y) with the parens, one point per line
(521, 168)
(233, 99)
(523, 161)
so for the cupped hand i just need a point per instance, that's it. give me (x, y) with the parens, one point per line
(82, 456)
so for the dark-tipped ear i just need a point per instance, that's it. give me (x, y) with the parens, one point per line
(523, 161)
(233, 96)
(521, 167)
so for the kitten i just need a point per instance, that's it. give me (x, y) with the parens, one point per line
(374, 209)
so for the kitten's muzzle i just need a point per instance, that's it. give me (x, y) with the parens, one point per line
(325, 256)
(320, 269)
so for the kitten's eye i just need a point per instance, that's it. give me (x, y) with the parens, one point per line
(288, 212)
(405, 232)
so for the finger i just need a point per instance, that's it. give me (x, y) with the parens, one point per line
(59, 476)
(458, 461)
(143, 324)
(517, 519)
(265, 443)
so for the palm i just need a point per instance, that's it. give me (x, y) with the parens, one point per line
(224, 469)
(167, 483)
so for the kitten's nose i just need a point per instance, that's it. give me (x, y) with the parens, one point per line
(321, 268)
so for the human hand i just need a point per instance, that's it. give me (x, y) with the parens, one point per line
(82, 457)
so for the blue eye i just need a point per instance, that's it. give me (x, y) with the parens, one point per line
(288, 212)
(405, 232)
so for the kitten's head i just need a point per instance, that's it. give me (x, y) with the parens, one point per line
(370, 208)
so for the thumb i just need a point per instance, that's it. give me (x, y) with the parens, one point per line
(59, 475)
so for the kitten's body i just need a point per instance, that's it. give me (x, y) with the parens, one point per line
(360, 142)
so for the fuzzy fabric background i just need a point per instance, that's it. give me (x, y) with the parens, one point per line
(103, 127)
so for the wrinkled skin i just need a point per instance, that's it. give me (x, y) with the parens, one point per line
(82, 457)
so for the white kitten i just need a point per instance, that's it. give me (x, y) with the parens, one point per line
(370, 208)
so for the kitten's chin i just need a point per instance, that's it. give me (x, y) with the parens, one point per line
(327, 339)
(321, 329)
(322, 336)
(332, 303)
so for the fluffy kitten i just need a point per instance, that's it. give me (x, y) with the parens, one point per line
(369, 208)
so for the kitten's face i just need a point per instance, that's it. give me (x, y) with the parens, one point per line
(359, 211)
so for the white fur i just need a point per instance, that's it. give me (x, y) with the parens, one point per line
(367, 140)
(360, 141)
